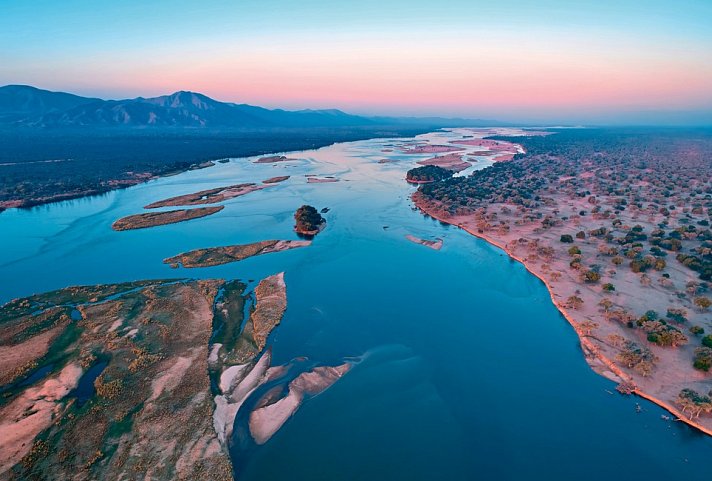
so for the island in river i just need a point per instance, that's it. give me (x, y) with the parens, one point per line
(309, 222)
(210, 196)
(152, 219)
(114, 381)
(214, 256)
(623, 245)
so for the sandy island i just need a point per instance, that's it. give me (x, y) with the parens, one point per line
(152, 219)
(452, 162)
(210, 196)
(215, 256)
(272, 159)
(274, 180)
(265, 421)
(437, 244)
(430, 149)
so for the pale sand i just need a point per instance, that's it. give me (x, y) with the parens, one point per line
(266, 421)
(239, 384)
(452, 162)
(171, 378)
(436, 244)
(13, 358)
(31, 413)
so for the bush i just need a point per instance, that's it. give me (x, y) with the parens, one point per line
(566, 238)
(591, 276)
(608, 287)
(703, 359)
(697, 330)
(707, 341)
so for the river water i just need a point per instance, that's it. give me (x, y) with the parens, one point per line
(466, 371)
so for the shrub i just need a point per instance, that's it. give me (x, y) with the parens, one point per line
(566, 238)
(703, 359)
(697, 330)
(707, 341)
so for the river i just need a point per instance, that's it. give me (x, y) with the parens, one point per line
(466, 371)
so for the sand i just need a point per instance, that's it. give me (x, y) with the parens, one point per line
(265, 421)
(452, 162)
(210, 196)
(437, 244)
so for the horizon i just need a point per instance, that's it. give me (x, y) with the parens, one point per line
(594, 63)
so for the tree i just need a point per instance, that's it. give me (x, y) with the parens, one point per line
(591, 276)
(574, 302)
(697, 330)
(702, 359)
(707, 340)
(703, 303)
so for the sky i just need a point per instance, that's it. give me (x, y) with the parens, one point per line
(548, 61)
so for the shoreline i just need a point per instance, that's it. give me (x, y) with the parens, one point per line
(140, 178)
(588, 348)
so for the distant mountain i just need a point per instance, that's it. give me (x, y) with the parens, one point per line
(20, 102)
(22, 105)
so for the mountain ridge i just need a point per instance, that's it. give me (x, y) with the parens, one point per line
(28, 106)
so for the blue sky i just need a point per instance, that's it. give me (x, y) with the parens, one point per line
(547, 59)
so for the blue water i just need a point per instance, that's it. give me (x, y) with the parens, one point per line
(467, 370)
(85, 387)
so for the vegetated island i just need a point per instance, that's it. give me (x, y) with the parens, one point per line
(275, 180)
(452, 162)
(273, 159)
(110, 382)
(309, 222)
(616, 224)
(321, 180)
(215, 256)
(430, 149)
(435, 245)
(427, 174)
(152, 219)
(209, 196)
(140, 379)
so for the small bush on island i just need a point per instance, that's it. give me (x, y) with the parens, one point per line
(428, 173)
(566, 238)
(707, 341)
(608, 287)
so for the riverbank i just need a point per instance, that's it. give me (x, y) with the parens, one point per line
(92, 162)
(593, 355)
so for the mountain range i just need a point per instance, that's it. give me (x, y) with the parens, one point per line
(26, 106)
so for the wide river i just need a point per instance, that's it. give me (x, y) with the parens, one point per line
(467, 371)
